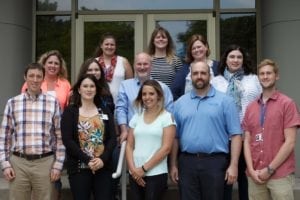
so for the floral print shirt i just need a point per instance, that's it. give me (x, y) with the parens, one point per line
(91, 135)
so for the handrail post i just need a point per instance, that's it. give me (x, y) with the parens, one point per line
(121, 170)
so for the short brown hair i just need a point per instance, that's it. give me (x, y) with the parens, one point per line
(189, 58)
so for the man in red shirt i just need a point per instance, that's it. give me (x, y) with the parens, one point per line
(270, 126)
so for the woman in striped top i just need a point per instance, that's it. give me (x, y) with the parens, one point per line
(165, 63)
(237, 78)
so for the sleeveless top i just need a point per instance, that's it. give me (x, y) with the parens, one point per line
(118, 77)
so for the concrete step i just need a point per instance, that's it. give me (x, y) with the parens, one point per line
(172, 192)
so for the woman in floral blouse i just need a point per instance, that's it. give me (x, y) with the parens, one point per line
(89, 136)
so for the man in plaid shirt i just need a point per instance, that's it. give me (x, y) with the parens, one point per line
(31, 122)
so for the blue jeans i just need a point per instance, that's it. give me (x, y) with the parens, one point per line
(202, 178)
(84, 183)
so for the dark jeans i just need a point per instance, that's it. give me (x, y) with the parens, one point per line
(242, 181)
(202, 177)
(154, 189)
(84, 184)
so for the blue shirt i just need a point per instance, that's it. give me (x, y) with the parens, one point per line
(148, 140)
(128, 92)
(205, 124)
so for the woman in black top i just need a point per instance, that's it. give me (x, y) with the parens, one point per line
(88, 134)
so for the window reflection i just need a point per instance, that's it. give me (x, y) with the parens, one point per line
(122, 31)
(143, 4)
(53, 5)
(54, 32)
(181, 31)
(237, 4)
(239, 29)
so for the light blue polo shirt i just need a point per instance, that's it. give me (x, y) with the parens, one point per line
(205, 124)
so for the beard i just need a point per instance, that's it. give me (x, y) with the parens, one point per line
(200, 84)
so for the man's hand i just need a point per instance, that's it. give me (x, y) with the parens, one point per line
(263, 174)
(255, 176)
(231, 174)
(123, 136)
(54, 175)
(9, 173)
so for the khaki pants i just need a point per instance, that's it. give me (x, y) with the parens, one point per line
(32, 179)
(275, 189)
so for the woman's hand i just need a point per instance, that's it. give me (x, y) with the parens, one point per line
(137, 175)
(95, 164)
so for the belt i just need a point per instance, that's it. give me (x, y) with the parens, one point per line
(205, 155)
(32, 156)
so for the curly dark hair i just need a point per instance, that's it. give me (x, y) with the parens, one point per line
(247, 64)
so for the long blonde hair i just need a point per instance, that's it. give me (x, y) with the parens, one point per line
(63, 68)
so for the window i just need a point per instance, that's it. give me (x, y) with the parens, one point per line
(54, 32)
(53, 5)
(237, 4)
(144, 4)
(239, 29)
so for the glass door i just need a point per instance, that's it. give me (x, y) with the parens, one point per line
(133, 32)
(182, 26)
(126, 28)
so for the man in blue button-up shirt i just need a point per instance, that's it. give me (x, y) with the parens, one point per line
(129, 90)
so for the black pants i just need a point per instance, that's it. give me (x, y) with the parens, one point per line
(154, 190)
(202, 178)
(242, 181)
(84, 184)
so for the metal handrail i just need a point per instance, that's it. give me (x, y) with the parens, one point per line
(121, 170)
(118, 172)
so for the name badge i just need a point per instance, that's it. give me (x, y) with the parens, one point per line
(104, 116)
(259, 137)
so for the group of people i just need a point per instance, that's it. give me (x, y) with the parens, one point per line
(205, 124)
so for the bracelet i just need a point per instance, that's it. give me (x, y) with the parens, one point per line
(144, 169)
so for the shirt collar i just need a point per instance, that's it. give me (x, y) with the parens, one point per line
(273, 97)
(138, 81)
(28, 96)
(211, 93)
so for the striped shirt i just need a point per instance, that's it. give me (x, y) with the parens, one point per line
(33, 126)
(164, 71)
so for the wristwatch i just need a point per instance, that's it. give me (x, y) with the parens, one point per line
(270, 170)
